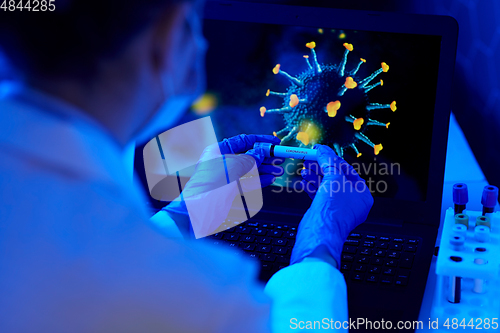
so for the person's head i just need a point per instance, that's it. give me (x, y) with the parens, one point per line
(117, 60)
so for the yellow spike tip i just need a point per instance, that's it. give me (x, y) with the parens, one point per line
(320, 30)
(275, 134)
(306, 56)
(262, 111)
(363, 60)
(268, 92)
(311, 45)
(303, 137)
(348, 46)
(377, 148)
(385, 67)
(294, 101)
(276, 69)
(357, 123)
(332, 108)
(349, 83)
(387, 125)
(342, 36)
(381, 83)
(359, 155)
(393, 106)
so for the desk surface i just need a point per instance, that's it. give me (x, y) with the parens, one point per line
(461, 167)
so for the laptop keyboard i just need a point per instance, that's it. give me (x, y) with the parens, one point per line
(366, 258)
(269, 243)
(378, 259)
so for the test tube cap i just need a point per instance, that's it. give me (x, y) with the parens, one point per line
(460, 194)
(462, 219)
(490, 196)
(265, 146)
(262, 145)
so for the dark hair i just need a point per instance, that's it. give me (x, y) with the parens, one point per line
(72, 39)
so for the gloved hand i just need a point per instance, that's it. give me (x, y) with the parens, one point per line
(341, 202)
(243, 143)
(311, 177)
(209, 176)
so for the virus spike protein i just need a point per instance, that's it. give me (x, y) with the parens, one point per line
(372, 122)
(317, 66)
(332, 108)
(307, 60)
(353, 146)
(374, 106)
(364, 138)
(277, 70)
(348, 47)
(354, 71)
(384, 68)
(368, 88)
(269, 92)
(349, 84)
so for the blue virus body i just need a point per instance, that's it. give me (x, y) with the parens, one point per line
(325, 104)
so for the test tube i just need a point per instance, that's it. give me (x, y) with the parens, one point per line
(489, 199)
(455, 282)
(271, 150)
(479, 284)
(460, 197)
(455, 289)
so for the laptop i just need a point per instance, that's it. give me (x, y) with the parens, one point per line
(400, 68)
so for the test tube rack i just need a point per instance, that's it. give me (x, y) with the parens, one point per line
(467, 253)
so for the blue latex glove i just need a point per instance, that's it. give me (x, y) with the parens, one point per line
(341, 202)
(243, 143)
(311, 177)
(206, 178)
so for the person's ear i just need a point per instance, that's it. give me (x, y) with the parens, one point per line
(167, 31)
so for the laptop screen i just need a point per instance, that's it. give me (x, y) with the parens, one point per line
(372, 100)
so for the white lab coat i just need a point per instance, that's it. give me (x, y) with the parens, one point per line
(78, 253)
